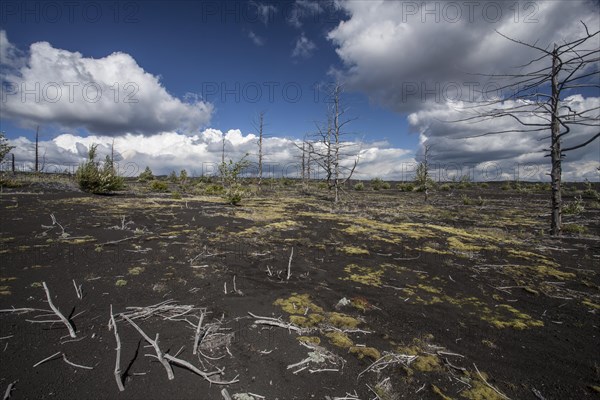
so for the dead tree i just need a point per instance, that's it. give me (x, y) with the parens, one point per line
(540, 103)
(259, 126)
(306, 150)
(336, 156)
(422, 178)
(37, 131)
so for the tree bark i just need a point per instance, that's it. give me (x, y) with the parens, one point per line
(555, 152)
(37, 130)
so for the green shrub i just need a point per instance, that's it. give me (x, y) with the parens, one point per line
(322, 185)
(176, 195)
(466, 200)
(506, 186)
(173, 177)
(93, 179)
(405, 187)
(445, 187)
(9, 183)
(146, 175)
(159, 186)
(386, 186)
(183, 177)
(589, 191)
(574, 228)
(214, 189)
(230, 172)
(574, 207)
(484, 185)
(376, 183)
(464, 182)
(359, 186)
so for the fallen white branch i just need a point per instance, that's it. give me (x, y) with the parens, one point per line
(289, 269)
(205, 375)
(47, 359)
(58, 313)
(487, 383)
(118, 359)
(225, 394)
(9, 389)
(154, 344)
(78, 290)
(73, 364)
(197, 335)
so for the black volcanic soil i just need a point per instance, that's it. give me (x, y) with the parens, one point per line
(477, 293)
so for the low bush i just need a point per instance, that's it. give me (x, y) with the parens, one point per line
(214, 189)
(445, 187)
(159, 186)
(359, 186)
(386, 186)
(574, 228)
(376, 183)
(405, 187)
(94, 179)
(574, 207)
(146, 175)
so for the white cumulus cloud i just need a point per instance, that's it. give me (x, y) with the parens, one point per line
(109, 96)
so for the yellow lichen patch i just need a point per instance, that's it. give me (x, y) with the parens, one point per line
(5, 291)
(339, 339)
(298, 304)
(438, 391)
(479, 390)
(534, 257)
(308, 321)
(363, 351)
(591, 304)
(354, 250)
(342, 321)
(275, 226)
(428, 289)
(309, 339)
(360, 303)
(539, 270)
(467, 245)
(121, 282)
(518, 319)
(79, 240)
(426, 363)
(365, 275)
(136, 270)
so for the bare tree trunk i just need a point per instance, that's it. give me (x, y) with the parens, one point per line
(426, 163)
(260, 148)
(37, 130)
(222, 162)
(555, 151)
(112, 152)
(336, 132)
(13, 163)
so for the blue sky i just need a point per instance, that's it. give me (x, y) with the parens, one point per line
(194, 67)
(205, 48)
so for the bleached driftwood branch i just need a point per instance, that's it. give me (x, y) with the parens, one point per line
(58, 313)
(118, 349)
(154, 344)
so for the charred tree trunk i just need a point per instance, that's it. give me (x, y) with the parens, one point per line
(555, 151)
(37, 161)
